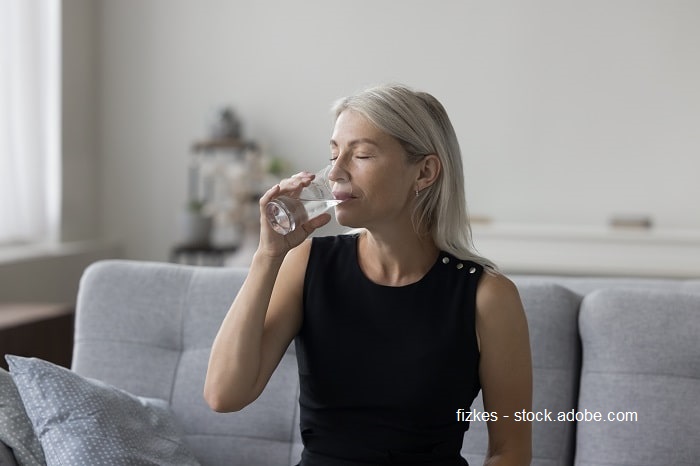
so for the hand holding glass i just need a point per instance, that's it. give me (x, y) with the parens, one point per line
(285, 213)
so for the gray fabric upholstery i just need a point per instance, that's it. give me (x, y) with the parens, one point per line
(90, 422)
(556, 353)
(691, 286)
(585, 285)
(148, 327)
(641, 354)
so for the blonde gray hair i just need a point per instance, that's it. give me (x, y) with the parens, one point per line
(420, 123)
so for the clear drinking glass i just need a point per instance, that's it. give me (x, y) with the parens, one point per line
(286, 213)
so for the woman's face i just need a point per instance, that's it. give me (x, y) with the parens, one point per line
(371, 171)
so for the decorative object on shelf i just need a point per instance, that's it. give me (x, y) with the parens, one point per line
(233, 178)
(195, 224)
(225, 179)
(225, 125)
(227, 176)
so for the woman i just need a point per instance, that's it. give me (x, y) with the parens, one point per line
(398, 326)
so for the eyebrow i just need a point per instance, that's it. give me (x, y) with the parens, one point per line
(356, 142)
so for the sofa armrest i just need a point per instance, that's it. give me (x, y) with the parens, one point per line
(7, 458)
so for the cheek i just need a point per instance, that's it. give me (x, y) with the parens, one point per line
(374, 204)
(391, 182)
(398, 188)
(390, 197)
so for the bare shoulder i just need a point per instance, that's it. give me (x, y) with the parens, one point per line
(497, 297)
(499, 312)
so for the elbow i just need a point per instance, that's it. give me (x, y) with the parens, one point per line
(511, 458)
(222, 402)
(224, 408)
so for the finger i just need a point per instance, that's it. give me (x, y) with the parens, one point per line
(269, 195)
(317, 222)
(303, 176)
(298, 235)
(296, 182)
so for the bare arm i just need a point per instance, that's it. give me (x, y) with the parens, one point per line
(254, 335)
(264, 317)
(505, 370)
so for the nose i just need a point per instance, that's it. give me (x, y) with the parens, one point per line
(338, 174)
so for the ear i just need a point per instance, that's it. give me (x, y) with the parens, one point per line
(429, 171)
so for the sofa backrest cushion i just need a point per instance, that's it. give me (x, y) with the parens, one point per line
(584, 285)
(691, 286)
(148, 328)
(641, 362)
(552, 315)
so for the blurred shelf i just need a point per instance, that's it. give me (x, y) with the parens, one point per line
(201, 254)
(590, 250)
(223, 144)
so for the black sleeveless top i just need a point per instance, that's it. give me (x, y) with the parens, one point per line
(383, 370)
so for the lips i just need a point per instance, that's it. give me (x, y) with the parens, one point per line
(342, 196)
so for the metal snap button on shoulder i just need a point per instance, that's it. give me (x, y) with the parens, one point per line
(460, 266)
(445, 260)
(472, 270)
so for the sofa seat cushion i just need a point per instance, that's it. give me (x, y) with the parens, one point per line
(641, 362)
(82, 421)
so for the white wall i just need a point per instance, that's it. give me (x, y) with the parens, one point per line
(49, 273)
(79, 117)
(567, 112)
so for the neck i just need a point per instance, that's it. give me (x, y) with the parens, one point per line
(396, 258)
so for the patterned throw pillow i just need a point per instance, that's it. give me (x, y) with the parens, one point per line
(15, 427)
(84, 421)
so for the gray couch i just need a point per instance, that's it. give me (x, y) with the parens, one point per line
(629, 346)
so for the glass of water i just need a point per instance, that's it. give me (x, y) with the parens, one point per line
(286, 213)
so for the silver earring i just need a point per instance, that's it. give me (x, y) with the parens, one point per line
(417, 193)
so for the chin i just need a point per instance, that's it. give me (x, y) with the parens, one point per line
(347, 221)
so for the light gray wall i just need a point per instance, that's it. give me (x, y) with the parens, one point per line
(50, 274)
(567, 112)
(79, 120)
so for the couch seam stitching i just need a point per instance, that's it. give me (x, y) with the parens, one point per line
(294, 416)
(183, 309)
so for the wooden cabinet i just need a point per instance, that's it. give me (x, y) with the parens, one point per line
(41, 330)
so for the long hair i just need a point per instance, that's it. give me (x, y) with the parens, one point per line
(420, 123)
